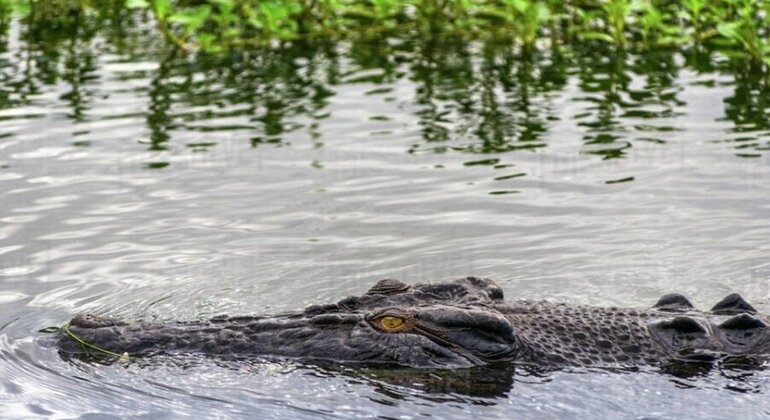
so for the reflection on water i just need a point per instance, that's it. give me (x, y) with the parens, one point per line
(485, 384)
(468, 97)
(145, 184)
(748, 109)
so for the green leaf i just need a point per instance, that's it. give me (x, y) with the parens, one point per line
(206, 39)
(733, 54)
(22, 8)
(672, 40)
(360, 12)
(225, 6)
(730, 30)
(592, 35)
(192, 19)
(162, 8)
(137, 4)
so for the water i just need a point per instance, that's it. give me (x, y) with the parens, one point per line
(143, 185)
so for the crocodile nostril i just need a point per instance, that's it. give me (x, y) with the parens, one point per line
(495, 293)
(91, 321)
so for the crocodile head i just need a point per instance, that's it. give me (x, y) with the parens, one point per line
(443, 325)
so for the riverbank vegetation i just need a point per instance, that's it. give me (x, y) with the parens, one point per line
(738, 28)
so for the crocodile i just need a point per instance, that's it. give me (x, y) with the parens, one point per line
(455, 324)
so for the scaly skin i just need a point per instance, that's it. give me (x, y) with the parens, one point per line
(462, 323)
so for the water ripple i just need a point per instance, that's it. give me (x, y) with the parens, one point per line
(181, 188)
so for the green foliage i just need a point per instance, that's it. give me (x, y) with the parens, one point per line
(748, 32)
(524, 18)
(693, 15)
(9, 7)
(656, 26)
(736, 27)
(616, 12)
(278, 18)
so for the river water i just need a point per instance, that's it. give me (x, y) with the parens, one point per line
(140, 184)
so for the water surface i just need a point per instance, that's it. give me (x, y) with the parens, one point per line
(142, 184)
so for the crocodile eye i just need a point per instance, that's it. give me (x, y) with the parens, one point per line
(391, 323)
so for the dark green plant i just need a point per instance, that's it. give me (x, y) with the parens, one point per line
(657, 25)
(740, 27)
(607, 22)
(693, 13)
(748, 31)
(525, 18)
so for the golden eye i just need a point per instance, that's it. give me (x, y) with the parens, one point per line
(391, 323)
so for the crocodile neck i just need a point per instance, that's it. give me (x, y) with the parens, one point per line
(560, 334)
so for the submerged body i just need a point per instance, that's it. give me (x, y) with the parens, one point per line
(456, 324)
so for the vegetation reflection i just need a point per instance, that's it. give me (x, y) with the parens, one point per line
(478, 95)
